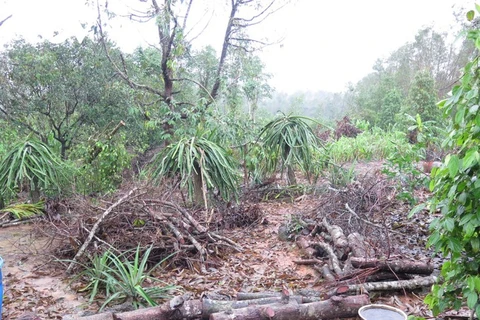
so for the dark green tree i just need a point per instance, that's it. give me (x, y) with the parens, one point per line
(59, 90)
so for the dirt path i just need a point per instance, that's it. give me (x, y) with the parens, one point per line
(31, 284)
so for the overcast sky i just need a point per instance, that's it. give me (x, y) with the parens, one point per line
(326, 45)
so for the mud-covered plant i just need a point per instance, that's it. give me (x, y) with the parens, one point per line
(456, 190)
(30, 163)
(289, 141)
(201, 165)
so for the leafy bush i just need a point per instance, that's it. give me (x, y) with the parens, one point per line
(456, 190)
(104, 172)
(200, 164)
(30, 164)
(289, 141)
(375, 144)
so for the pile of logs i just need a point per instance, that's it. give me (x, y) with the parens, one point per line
(345, 265)
(256, 306)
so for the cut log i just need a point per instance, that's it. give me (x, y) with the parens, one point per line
(215, 306)
(338, 237)
(386, 276)
(396, 266)
(325, 271)
(386, 286)
(333, 257)
(174, 309)
(257, 295)
(357, 245)
(335, 307)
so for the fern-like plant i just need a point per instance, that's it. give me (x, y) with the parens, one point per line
(289, 141)
(29, 164)
(200, 164)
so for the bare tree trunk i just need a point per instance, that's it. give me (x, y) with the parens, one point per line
(198, 191)
(292, 180)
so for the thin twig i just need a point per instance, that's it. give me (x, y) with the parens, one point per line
(95, 227)
(368, 222)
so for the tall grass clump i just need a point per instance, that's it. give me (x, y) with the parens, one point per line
(374, 144)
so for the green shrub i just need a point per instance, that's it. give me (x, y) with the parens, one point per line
(30, 165)
(120, 279)
(103, 173)
(374, 144)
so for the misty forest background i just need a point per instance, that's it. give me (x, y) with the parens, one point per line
(98, 108)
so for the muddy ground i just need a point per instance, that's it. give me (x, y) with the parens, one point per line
(35, 283)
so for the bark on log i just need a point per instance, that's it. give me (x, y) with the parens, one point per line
(338, 237)
(333, 258)
(215, 306)
(258, 297)
(335, 307)
(397, 266)
(357, 245)
(168, 311)
(386, 286)
(325, 271)
(387, 275)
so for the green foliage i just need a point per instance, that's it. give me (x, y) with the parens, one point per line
(101, 164)
(104, 173)
(61, 89)
(374, 144)
(94, 273)
(338, 176)
(121, 279)
(456, 190)
(289, 141)
(8, 136)
(22, 211)
(423, 97)
(403, 166)
(30, 163)
(200, 164)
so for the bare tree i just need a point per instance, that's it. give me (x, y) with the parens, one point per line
(3, 21)
(172, 21)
